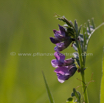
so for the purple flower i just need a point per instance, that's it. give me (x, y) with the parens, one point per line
(64, 68)
(64, 73)
(62, 45)
(60, 60)
(59, 35)
(61, 39)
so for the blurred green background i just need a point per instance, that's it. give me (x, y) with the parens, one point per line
(25, 28)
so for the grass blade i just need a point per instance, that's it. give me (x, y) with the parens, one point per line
(48, 90)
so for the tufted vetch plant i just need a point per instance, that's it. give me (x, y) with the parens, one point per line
(65, 68)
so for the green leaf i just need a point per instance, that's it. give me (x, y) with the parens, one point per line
(48, 90)
(76, 27)
(72, 94)
(102, 83)
(77, 95)
(92, 22)
(84, 35)
(62, 18)
(88, 22)
(79, 29)
(70, 100)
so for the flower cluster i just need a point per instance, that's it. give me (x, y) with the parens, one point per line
(61, 39)
(64, 68)
(66, 35)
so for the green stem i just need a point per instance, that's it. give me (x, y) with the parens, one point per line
(82, 66)
(84, 87)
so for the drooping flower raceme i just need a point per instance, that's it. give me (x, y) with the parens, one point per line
(64, 68)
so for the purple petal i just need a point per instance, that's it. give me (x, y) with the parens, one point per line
(64, 73)
(54, 40)
(58, 35)
(62, 70)
(54, 63)
(56, 32)
(72, 70)
(59, 55)
(56, 49)
(59, 46)
(60, 58)
(62, 78)
(62, 45)
(62, 30)
(68, 62)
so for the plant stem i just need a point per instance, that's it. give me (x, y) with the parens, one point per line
(84, 87)
(82, 66)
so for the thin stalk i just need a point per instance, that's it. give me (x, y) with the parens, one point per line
(84, 87)
(82, 72)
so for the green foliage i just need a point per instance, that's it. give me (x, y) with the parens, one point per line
(70, 100)
(75, 97)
